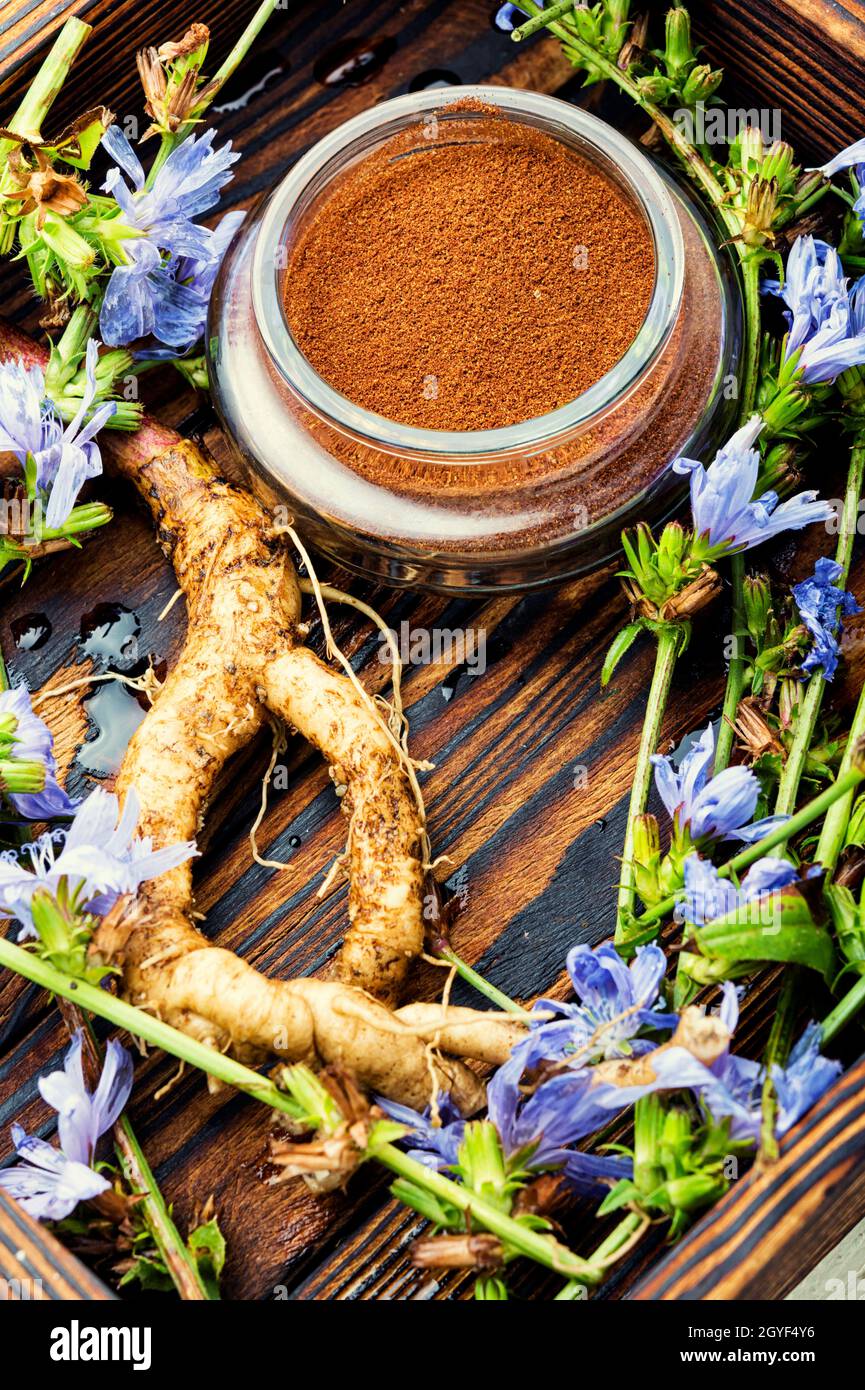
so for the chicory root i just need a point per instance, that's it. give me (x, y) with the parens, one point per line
(242, 661)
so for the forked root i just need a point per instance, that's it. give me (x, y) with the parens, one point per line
(242, 658)
(214, 996)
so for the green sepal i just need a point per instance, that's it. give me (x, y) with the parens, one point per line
(621, 643)
(491, 1289)
(440, 1215)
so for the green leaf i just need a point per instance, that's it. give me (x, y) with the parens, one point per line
(150, 1273)
(777, 927)
(206, 1245)
(426, 1204)
(620, 644)
(78, 148)
(621, 1195)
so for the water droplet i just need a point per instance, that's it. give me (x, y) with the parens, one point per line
(31, 631)
(294, 841)
(109, 635)
(434, 77)
(116, 714)
(351, 62)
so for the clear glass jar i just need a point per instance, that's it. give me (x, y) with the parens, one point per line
(487, 509)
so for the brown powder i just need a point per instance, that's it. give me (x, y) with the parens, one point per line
(469, 283)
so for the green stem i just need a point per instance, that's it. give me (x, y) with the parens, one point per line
(750, 265)
(844, 1011)
(544, 19)
(606, 1253)
(66, 352)
(669, 638)
(736, 669)
(232, 62)
(835, 824)
(174, 1251)
(46, 85)
(811, 811)
(806, 719)
(544, 1249)
(747, 393)
(809, 708)
(695, 167)
(471, 977)
(777, 1049)
(142, 1025)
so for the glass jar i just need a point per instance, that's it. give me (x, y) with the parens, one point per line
(484, 509)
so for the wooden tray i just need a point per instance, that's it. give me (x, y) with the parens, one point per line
(535, 856)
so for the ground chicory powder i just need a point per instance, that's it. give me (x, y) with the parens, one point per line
(470, 283)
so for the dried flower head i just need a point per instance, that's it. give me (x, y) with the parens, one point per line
(754, 735)
(197, 36)
(170, 76)
(40, 188)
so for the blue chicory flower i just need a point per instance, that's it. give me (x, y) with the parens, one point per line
(821, 606)
(509, 17)
(853, 157)
(541, 1129)
(732, 1087)
(148, 295)
(853, 154)
(615, 1002)
(722, 504)
(49, 1183)
(536, 1132)
(434, 1144)
(710, 808)
(825, 327)
(99, 856)
(707, 896)
(30, 739)
(30, 427)
(182, 295)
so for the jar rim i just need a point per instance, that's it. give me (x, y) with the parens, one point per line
(644, 184)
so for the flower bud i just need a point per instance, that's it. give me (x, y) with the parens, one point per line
(807, 185)
(758, 603)
(618, 10)
(701, 83)
(749, 149)
(678, 53)
(647, 855)
(655, 88)
(851, 384)
(695, 1191)
(614, 26)
(856, 825)
(778, 471)
(778, 162)
(788, 702)
(21, 777)
(588, 25)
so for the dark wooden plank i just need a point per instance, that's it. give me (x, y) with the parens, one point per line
(35, 1267)
(802, 58)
